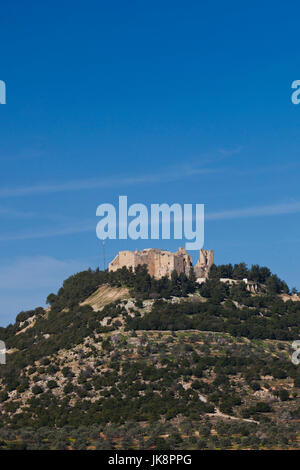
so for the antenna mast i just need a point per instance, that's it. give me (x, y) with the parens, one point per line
(104, 257)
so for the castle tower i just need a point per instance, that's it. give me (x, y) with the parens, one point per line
(204, 264)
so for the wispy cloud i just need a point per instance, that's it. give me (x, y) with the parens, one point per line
(159, 177)
(15, 213)
(90, 226)
(35, 272)
(72, 229)
(106, 182)
(256, 211)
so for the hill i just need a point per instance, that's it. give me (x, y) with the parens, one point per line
(121, 360)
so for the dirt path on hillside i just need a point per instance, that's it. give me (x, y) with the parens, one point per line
(219, 414)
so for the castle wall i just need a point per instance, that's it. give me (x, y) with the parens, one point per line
(161, 263)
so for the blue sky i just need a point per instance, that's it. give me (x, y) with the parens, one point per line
(161, 101)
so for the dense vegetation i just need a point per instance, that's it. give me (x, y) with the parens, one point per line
(78, 287)
(184, 434)
(256, 273)
(166, 363)
(228, 309)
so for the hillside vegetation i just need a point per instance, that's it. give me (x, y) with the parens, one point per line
(121, 360)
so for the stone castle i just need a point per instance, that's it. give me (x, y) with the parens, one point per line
(161, 263)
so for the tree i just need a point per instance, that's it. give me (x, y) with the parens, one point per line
(51, 299)
(37, 390)
(52, 384)
(3, 396)
(240, 271)
(283, 394)
(254, 273)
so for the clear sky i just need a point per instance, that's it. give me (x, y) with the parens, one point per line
(195, 96)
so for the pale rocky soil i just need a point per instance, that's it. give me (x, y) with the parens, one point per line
(286, 297)
(106, 295)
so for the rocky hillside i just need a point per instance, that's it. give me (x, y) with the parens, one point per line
(121, 360)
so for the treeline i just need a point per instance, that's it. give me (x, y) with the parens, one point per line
(142, 286)
(78, 287)
(256, 273)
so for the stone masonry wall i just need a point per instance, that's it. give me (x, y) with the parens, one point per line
(161, 263)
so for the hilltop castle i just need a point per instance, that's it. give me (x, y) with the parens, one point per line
(161, 263)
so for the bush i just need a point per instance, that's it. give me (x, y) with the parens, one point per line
(37, 390)
(52, 384)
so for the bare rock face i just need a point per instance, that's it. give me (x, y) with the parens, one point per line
(161, 263)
